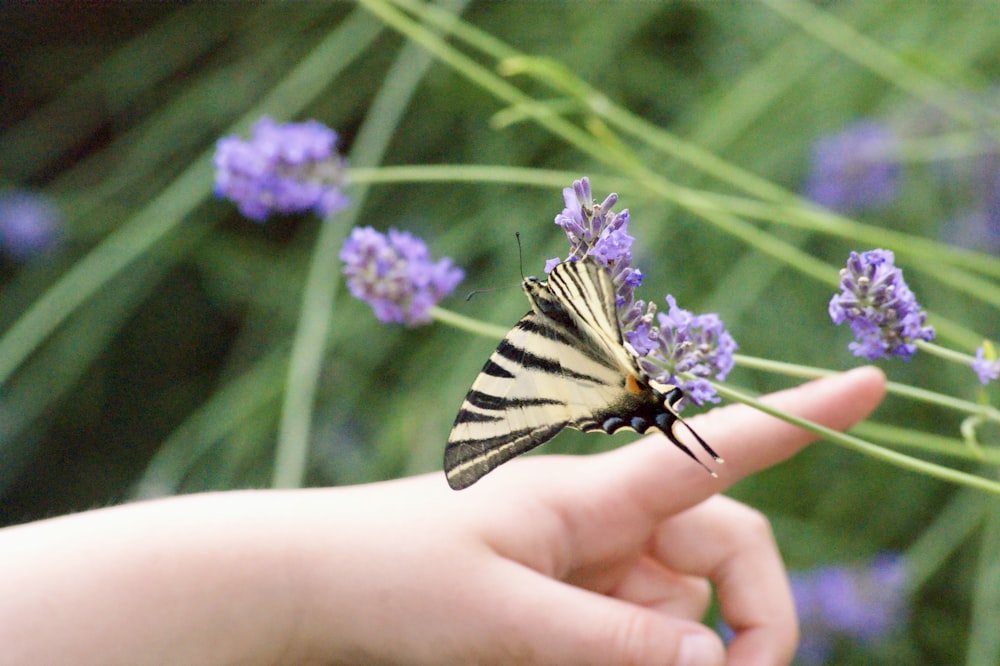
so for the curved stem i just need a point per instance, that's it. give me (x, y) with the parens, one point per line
(904, 390)
(467, 324)
(855, 443)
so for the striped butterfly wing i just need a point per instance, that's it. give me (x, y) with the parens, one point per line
(563, 364)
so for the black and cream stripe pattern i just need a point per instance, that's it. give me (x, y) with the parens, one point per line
(563, 364)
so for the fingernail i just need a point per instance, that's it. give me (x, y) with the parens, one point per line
(700, 650)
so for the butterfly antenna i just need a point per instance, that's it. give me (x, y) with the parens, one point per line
(520, 256)
(468, 297)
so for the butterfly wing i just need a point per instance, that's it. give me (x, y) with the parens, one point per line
(563, 364)
(584, 291)
(535, 384)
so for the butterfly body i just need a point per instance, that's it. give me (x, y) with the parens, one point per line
(564, 364)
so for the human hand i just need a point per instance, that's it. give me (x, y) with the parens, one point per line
(604, 559)
(601, 559)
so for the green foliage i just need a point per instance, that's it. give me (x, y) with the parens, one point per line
(167, 345)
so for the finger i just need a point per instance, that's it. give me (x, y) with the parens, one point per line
(648, 583)
(754, 440)
(732, 545)
(544, 621)
(631, 489)
(653, 474)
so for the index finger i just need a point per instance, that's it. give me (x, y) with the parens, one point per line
(662, 481)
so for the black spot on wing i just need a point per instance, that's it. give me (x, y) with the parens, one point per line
(494, 370)
(535, 363)
(467, 461)
(469, 416)
(499, 403)
(534, 325)
(486, 401)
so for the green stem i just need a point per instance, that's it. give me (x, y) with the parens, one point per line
(904, 390)
(308, 349)
(167, 211)
(316, 313)
(616, 154)
(855, 46)
(856, 444)
(474, 173)
(945, 353)
(118, 250)
(467, 324)
(955, 523)
(793, 208)
(824, 221)
(984, 639)
(926, 441)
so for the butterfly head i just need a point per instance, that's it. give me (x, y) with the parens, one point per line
(540, 296)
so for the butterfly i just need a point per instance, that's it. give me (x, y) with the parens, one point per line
(564, 364)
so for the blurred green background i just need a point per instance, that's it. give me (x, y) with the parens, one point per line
(169, 374)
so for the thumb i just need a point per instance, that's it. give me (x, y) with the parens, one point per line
(557, 623)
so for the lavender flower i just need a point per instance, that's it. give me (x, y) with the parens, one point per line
(854, 170)
(30, 224)
(882, 311)
(986, 366)
(861, 603)
(395, 275)
(684, 343)
(286, 168)
(594, 229)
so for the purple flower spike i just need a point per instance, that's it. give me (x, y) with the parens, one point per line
(986, 369)
(683, 342)
(680, 342)
(593, 228)
(854, 170)
(596, 230)
(395, 275)
(286, 168)
(882, 311)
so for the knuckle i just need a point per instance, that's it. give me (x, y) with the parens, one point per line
(639, 640)
(754, 526)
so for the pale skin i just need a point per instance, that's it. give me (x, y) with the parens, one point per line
(604, 559)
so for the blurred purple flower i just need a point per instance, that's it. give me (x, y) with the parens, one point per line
(854, 170)
(862, 603)
(987, 369)
(882, 311)
(283, 168)
(978, 227)
(698, 345)
(395, 275)
(30, 224)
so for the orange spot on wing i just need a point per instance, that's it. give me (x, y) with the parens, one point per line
(632, 385)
